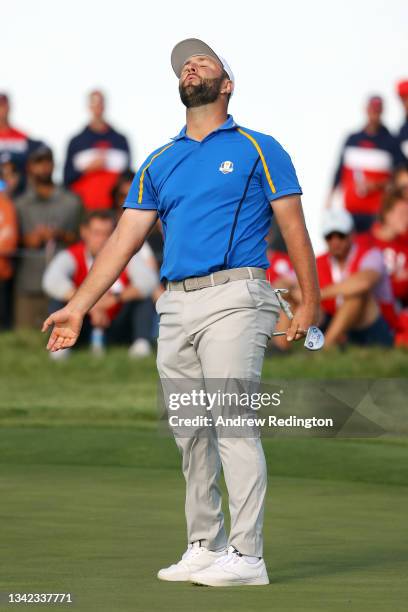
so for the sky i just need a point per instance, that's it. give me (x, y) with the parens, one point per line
(303, 71)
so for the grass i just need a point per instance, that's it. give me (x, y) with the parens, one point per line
(115, 390)
(92, 493)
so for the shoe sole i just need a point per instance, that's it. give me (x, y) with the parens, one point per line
(214, 583)
(173, 579)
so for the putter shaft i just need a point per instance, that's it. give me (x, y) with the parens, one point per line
(283, 333)
(284, 304)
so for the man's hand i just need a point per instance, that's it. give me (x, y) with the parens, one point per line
(39, 236)
(36, 238)
(305, 316)
(67, 326)
(49, 233)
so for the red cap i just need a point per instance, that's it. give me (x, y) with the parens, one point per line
(402, 88)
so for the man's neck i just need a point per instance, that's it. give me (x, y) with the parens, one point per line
(343, 261)
(4, 126)
(98, 125)
(372, 128)
(202, 120)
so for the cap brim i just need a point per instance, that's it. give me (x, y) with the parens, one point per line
(335, 228)
(187, 48)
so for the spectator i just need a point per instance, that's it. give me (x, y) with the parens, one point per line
(49, 220)
(8, 244)
(366, 163)
(402, 89)
(12, 176)
(124, 311)
(388, 235)
(355, 288)
(119, 193)
(14, 143)
(95, 158)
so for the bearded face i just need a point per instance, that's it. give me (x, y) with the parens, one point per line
(201, 91)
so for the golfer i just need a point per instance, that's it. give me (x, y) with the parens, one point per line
(215, 187)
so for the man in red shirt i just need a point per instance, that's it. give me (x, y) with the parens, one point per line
(356, 295)
(95, 158)
(366, 164)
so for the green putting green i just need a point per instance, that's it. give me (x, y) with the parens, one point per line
(92, 497)
(97, 511)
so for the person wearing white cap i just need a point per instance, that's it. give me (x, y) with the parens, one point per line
(357, 299)
(215, 187)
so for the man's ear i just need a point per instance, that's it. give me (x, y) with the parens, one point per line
(228, 88)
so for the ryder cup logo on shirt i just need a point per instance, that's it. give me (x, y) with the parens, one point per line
(226, 167)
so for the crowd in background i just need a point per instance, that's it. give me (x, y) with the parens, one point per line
(50, 234)
(363, 274)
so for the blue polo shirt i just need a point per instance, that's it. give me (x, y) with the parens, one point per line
(213, 198)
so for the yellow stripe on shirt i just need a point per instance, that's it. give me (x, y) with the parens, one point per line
(139, 200)
(261, 155)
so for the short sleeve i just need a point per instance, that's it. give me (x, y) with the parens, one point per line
(278, 173)
(142, 194)
(373, 260)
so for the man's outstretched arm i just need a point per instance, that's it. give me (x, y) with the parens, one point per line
(289, 215)
(127, 239)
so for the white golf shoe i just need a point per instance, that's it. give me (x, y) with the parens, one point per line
(232, 570)
(194, 559)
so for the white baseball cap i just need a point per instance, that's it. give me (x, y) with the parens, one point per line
(337, 220)
(193, 46)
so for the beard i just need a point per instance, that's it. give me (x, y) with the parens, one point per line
(43, 179)
(206, 92)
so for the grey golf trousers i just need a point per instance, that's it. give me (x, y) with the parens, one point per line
(220, 332)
